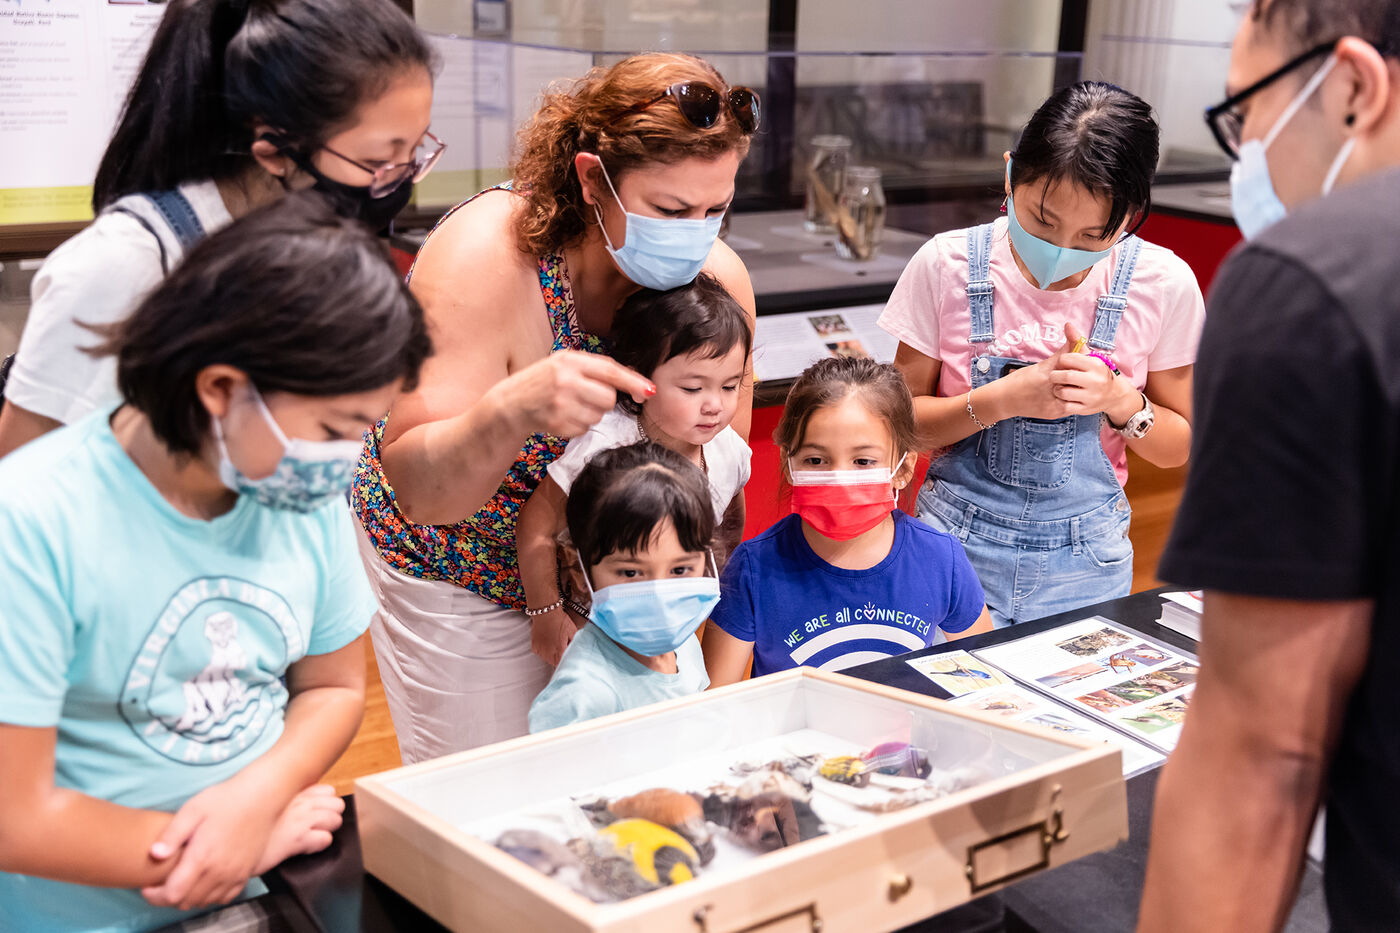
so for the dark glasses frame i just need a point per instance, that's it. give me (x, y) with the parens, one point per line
(386, 179)
(1225, 122)
(699, 103)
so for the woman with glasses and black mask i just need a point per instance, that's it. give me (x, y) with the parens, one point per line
(1041, 347)
(237, 102)
(620, 183)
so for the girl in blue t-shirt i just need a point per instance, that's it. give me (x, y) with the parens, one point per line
(182, 610)
(847, 578)
(641, 528)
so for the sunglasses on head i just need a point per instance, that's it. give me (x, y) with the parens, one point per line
(699, 103)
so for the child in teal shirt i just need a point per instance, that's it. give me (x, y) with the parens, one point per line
(182, 609)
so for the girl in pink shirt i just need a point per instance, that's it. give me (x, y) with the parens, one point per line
(1034, 422)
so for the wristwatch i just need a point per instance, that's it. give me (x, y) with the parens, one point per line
(1139, 424)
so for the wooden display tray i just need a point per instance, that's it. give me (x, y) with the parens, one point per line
(900, 867)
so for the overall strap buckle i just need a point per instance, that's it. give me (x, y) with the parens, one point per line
(980, 291)
(1112, 305)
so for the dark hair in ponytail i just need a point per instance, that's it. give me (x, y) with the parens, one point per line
(299, 298)
(215, 67)
(1098, 136)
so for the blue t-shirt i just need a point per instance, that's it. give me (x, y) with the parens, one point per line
(155, 642)
(596, 677)
(799, 610)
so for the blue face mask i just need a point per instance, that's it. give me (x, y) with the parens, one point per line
(310, 473)
(653, 617)
(660, 253)
(1046, 262)
(1253, 200)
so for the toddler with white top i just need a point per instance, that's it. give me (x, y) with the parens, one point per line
(693, 343)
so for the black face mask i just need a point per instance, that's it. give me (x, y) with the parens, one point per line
(354, 201)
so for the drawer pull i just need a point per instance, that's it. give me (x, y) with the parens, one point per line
(814, 922)
(900, 885)
(1047, 834)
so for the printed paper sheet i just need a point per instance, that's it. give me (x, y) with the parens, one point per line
(1018, 704)
(1110, 674)
(786, 344)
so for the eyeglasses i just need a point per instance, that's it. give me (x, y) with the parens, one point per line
(386, 178)
(1227, 123)
(699, 103)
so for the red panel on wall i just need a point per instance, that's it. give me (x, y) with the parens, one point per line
(763, 499)
(1203, 245)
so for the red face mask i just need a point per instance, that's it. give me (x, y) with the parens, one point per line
(841, 504)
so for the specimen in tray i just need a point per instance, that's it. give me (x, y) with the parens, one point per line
(621, 860)
(898, 758)
(562, 863)
(658, 854)
(662, 836)
(768, 811)
(674, 809)
(845, 769)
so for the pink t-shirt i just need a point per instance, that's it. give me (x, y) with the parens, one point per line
(929, 312)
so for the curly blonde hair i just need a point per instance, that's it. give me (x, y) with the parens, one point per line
(591, 116)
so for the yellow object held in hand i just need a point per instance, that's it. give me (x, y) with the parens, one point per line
(659, 855)
(1079, 345)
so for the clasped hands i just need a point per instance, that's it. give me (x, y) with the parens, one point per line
(224, 836)
(1068, 383)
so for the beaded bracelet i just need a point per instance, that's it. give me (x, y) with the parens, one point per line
(1106, 360)
(972, 414)
(557, 604)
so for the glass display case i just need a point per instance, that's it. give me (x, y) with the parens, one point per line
(804, 800)
(1175, 54)
(925, 119)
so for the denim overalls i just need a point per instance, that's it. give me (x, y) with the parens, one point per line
(1035, 503)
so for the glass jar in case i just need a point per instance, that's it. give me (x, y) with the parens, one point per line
(826, 176)
(860, 214)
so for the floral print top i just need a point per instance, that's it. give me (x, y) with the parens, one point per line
(479, 552)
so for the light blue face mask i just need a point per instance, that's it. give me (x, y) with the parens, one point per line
(653, 617)
(310, 473)
(657, 252)
(1253, 200)
(1046, 262)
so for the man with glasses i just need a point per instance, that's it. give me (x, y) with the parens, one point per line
(1289, 519)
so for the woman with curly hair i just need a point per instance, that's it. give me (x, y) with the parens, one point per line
(620, 182)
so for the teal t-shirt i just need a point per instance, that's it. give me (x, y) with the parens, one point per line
(596, 677)
(156, 643)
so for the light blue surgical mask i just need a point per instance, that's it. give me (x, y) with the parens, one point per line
(660, 253)
(310, 473)
(1253, 200)
(1046, 262)
(653, 617)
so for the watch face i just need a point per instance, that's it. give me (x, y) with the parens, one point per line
(1139, 424)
